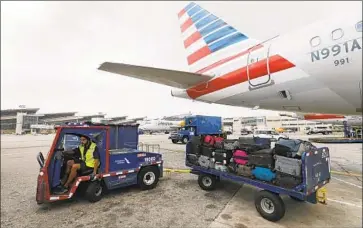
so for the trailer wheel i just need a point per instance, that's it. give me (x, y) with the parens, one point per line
(174, 141)
(94, 191)
(269, 205)
(148, 177)
(207, 182)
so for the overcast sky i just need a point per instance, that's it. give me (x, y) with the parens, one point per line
(50, 52)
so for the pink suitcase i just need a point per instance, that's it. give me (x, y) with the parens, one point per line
(240, 157)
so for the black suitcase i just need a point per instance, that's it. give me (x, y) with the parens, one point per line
(263, 151)
(221, 156)
(261, 160)
(196, 140)
(283, 150)
(287, 181)
(192, 159)
(292, 147)
(227, 154)
(193, 148)
(250, 148)
(207, 151)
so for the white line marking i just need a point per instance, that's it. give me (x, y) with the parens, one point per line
(345, 203)
(347, 182)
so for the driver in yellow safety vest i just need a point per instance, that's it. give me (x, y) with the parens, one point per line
(86, 159)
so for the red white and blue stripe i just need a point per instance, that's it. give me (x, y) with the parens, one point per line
(229, 57)
(205, 34)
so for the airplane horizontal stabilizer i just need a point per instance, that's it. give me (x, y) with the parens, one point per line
(173, 78)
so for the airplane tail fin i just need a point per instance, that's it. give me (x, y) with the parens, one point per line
(209, 39)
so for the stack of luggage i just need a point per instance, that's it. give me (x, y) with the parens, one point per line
(287, 155)
(280, 165)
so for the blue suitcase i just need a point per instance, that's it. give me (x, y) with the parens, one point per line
(263, 174)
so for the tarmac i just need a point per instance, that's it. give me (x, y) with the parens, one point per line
(177, 201)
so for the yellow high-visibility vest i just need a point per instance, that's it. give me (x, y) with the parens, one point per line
(89, 160)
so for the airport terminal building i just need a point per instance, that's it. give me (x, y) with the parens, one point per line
(25, 120)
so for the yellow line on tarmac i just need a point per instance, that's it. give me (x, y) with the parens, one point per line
(177, 170)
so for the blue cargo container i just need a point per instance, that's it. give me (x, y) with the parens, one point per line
(205, 125)
(198, 125)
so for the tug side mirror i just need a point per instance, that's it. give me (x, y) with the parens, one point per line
(40, 159)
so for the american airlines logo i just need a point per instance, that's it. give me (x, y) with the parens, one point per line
(122, 161)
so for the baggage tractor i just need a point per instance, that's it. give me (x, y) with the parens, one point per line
(244, 170)
(289, 166)
(263, 174)
(261, 159)
(192, 159)
(207, 151)
(287, 181)
(205, 162)
(240, 157)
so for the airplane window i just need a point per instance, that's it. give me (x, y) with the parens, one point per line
(358, 26)
(337, 34)
(315, 41)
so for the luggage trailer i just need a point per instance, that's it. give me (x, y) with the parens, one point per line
(315, 175)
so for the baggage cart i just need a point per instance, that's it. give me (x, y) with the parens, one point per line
(315, 166)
